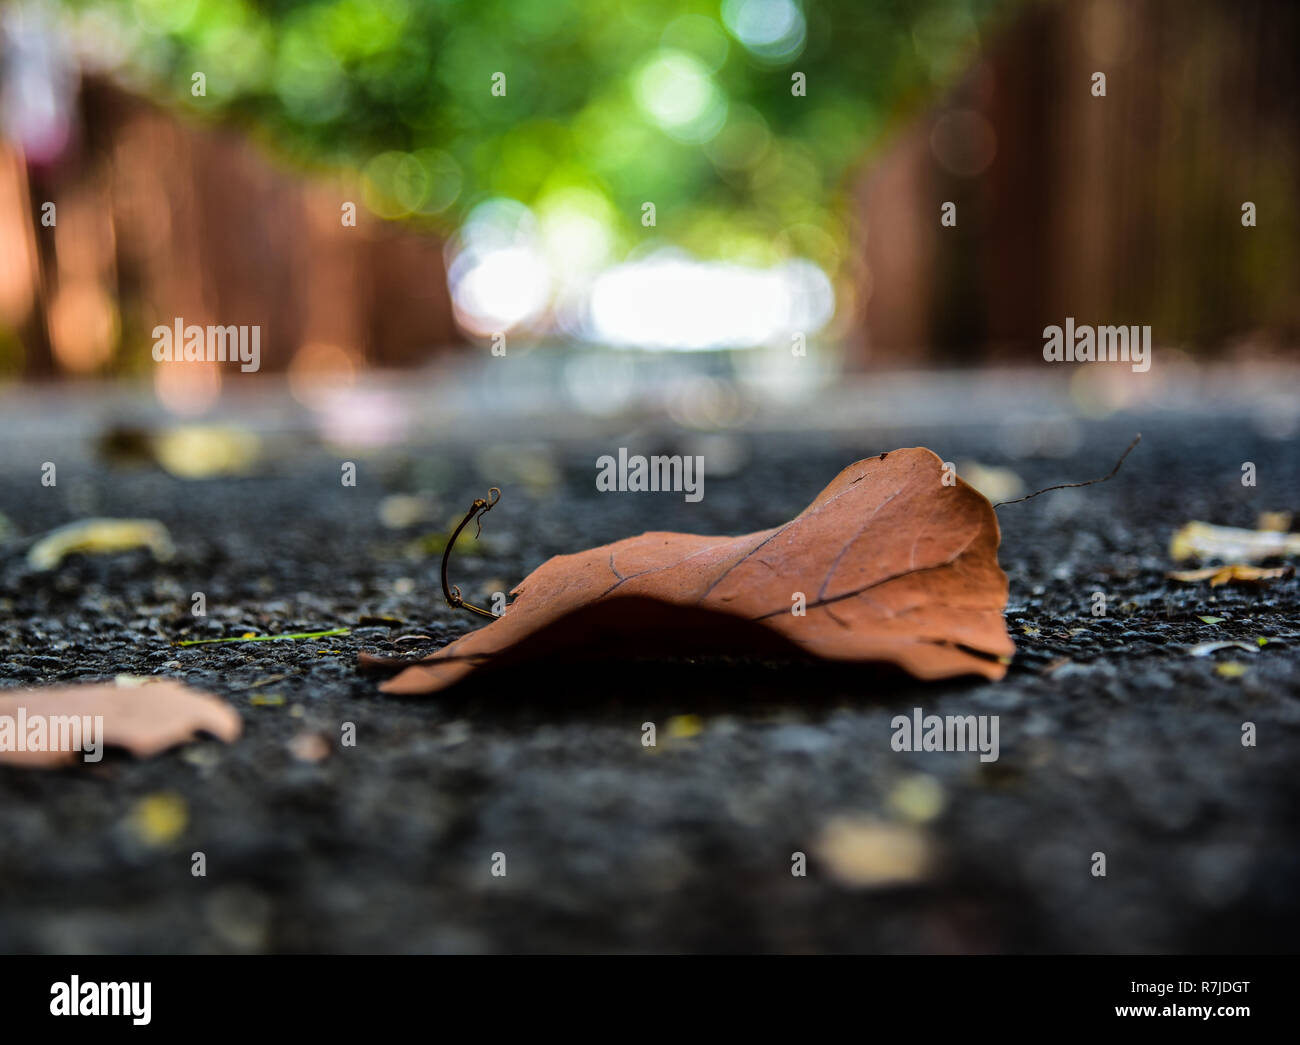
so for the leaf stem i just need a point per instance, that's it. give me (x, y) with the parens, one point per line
(1087, 482)
(451, 593)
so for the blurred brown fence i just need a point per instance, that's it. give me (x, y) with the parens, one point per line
(156, 218)
(1122, 209)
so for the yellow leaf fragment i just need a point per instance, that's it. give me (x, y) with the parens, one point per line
(100, 536)
(918, 798)
(204, 451)
(683, 727)
(865, 853)
(1279, 522)
(267, 700)
(158, 820)
(1198, 540)
(1234, 573)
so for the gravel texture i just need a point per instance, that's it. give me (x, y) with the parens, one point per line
(1113, 738)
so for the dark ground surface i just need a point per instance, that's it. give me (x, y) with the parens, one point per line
(1132, 747)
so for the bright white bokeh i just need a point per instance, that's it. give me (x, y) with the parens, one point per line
(672, 301)
(511, 270)
(498, 275)
(676, 91)
(772, 30)
(496, 290)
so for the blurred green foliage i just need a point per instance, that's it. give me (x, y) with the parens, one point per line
(607, 104)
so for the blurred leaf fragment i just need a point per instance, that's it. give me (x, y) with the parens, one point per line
(1198, 540)
(1234, 573)
(100, 536)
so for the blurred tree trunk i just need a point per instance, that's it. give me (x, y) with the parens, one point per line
(34, 332)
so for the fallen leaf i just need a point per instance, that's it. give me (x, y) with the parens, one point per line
(206, 451)
(1230, 669)
(1198, 540)
(99, 536)
(894, 567)
(1277, 521)
(309, 747)
(683, 727)
(158, 820)
(267, 700)
(918, 798)
(145, 719)
(188, 451)
(1204, 649)
(249, 636)
(1212, 620)
(864, 853)
(1235, 573)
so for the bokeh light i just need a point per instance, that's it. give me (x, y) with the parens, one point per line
(676, 91)
(671, 301)
(772, 30)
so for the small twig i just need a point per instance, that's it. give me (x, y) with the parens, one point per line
(477, 510)
(1065, 486)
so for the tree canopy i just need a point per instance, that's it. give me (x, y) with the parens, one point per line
(739, 120)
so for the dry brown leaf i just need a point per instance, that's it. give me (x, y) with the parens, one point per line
(309, 747)
(145, 719)
(894, 566)
(1198, 540)
(1235, 573)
